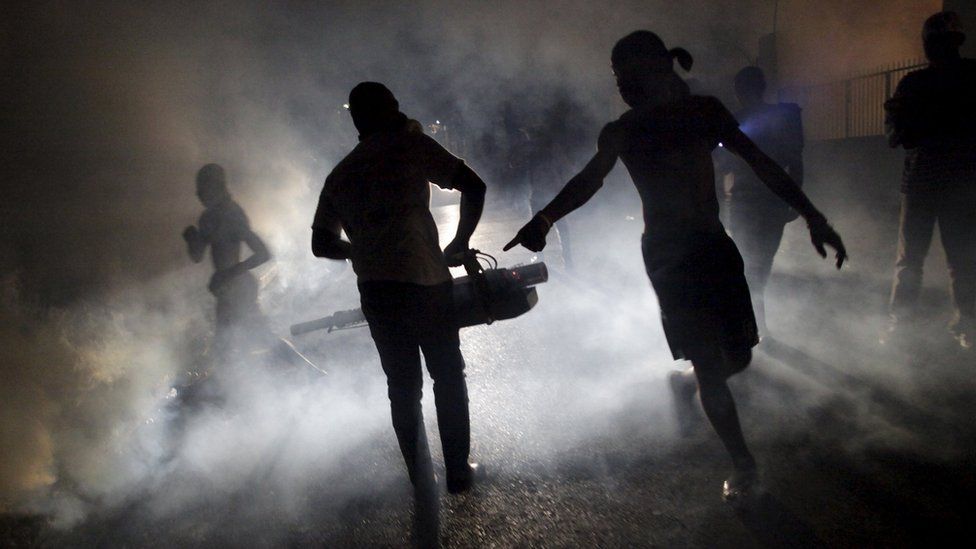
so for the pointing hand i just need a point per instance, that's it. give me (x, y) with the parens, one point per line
(532, 235)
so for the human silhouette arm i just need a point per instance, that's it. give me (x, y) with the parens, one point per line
(259, 256)
(195, 243)
(902, 115)
(574, 194)
(450, 172)
(795, 167)
(472, 190)
(778, 181)
(327, 241)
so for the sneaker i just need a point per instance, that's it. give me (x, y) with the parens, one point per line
(458, 484)
(742, 485)
(683, 396)
(898, 333)
(889, 331)
(964, 330)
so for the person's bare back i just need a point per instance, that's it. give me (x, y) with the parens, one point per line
(667, 151)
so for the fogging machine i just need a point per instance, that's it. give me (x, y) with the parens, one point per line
(481, 297)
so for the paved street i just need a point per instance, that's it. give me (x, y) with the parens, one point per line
(859, 445)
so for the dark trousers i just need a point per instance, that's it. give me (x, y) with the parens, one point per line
(757, 232)
(405, 319)
(955, 212)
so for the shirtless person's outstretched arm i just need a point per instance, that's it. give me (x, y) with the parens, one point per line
(574, 194)
(778, 181)
(584, 185)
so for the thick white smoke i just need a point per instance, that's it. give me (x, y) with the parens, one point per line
(116, 105)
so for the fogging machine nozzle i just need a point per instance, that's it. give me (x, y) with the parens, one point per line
(480, 297)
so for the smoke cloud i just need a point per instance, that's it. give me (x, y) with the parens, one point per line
(113, 107)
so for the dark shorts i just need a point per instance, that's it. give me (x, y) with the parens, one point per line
(241, 326)
(703, 294)
(237, 300)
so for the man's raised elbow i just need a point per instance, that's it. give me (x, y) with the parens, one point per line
(477, 188)
(470, 184)
(328, 248)
(196, 252)
(319, 244)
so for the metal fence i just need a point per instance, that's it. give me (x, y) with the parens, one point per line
(848, 108)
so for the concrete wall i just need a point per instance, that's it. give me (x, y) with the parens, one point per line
(832, 39)
(967, 11)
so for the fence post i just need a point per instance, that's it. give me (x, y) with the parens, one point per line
(847, 109)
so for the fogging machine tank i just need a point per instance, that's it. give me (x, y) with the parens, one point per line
(481, 297)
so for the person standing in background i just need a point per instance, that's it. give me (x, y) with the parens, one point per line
(223, 227)
(756, 216)
(932, 115)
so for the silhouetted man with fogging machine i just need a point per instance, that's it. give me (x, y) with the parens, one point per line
(932, 114)
(665, 140)
(379, 195)
(224, 227)
(757, 216)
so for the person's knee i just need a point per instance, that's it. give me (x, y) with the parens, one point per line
(708, 378)
(445, 363)
(715, 367)
(448, 376)
(404, 390)
(708, 367)
(737, 360)
(910, 265)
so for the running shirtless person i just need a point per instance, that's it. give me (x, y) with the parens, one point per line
(665, 140)
(224, 227)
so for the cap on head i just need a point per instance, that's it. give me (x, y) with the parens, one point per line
(944, 25)
(750, 80)
(372, 97)
(373, 107)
